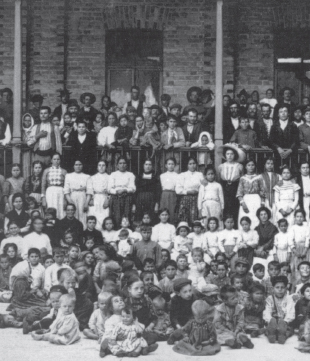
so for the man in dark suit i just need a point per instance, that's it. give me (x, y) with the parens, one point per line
(83, 147)
(264, 125)
(253, 118)
(243, 102)
(232, 123)
(192, 129)
(286, 94)
(61, 109)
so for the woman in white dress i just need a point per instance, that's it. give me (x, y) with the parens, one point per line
(75, 190)
(97, 194)
(53, 181)
(303, 179)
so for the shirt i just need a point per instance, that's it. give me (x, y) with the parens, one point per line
(106, 136)
(268, 123)
(235, 122)
(283, 123)
(168, 181)
(81, 138)
(121, 180)
(51, 275)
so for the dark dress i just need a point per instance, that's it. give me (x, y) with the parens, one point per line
(266, 234)
(181, 310)
(20, 219)
(73, 225)
(53, 230)
(22, 298)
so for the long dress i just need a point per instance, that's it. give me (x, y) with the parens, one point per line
(26, 154)
(168, 197)
(97, 187)
(121, 203)
(270, 180)
(286, 197)
(188, 181)
(211, 202)
(251, 189)
(266, 233)
(282, 246)
(299, 239)
(53, 181)
(230, 174)
(76, 186)
(12, 186)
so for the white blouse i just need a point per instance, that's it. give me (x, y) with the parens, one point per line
(250, 238)
(121, 180)
(106, 136)
(188, 181)
(76, 182)
(168, 181)
(212, 191)
(229, 238)
(164, 234)
(299, 235)
(230, 171)
(98, 184)
(35, 240)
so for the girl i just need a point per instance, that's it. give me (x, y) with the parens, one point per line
(75, 191)
(147, 219)
(303, 179)
(73, 253)
(126, 337)
(53, 182)
(13, 185)
(13, 237)
(197, 268)
(27, 139)
(164, 232)
(270, 180)
(165, 255)
(211, 197)
(67, 240)
(182, 244)
(281, 249)
(197, 238)
(89, 261)
(18, 214)
(286, 197)
(10, 249)
(250, 193)
(249, 240)
(211, 239)
(188, 184)
(229, 239)
(115, 305)
(32, 206)
(97, 194)
(108, 233)
(125, 224)
(299, 241)
(33, 184)
(121, 187)
(168, 181)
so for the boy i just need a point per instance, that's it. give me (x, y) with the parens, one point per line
(304, 272)
(237, 282)
(91, 232)
(146, 248)
(51, 272)
(124, 134)
(245, 137)
(221, 278)
(181, 307)
(242, 267)
(213, 271)
(55, 293)
(279, 311)
(209, 293)
(149, 265)
(124, 243)
(229, 320)
(5, 272)
(259, 272)
(182, 271)
(167, 283)
(273, 271)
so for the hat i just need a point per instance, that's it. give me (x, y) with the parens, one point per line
(175, 105)
(193, 89)
(239, 153)
(179, 283)
(130, 107)
(37, 98)
(58, 288)
(208, 289)
(91, 95)
(155, 106)
(183, 224)
(197, 224)
(154, 291)
(242, 260)
(165, 97)
(63, 92)
(73, 103)
(287, 88)
(302, 263)
(243, 92)
(207, 95)
(306, 109)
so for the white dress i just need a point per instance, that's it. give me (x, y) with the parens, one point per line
(228, 242)
(108, 237)
(76, 186)
(211, 243)
(164, 234)
(198, 241)
(97, 186)
(180, 245)
(299, 239)
(282, 246)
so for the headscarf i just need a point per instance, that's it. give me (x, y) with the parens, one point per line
(27, 131)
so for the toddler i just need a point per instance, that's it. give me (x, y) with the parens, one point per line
(167, 283)
(124, 244)
(197, 268)
(182, 244)
(204, 141)
(237, 282)
(253, 310)
(65, 329)
(162, 326)
(281, 249)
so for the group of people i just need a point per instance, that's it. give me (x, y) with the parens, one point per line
(199, 259)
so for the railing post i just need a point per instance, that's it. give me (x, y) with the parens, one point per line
(17, 100)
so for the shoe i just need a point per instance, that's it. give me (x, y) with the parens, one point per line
(170, 341)
(237, 345)
(254, 333)
(246, 342)
(132, 354)
(149, 349)
(26, 327)
(121, 354)
(282, 328)
(230, 343)
(272, 330)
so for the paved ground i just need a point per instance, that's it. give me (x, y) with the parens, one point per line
(14, 347)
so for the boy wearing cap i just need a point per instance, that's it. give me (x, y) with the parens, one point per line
(242, 268)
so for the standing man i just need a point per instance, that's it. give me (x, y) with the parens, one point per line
(87, 112)
(252, 116)
(265, 124)
(192, 129)
(243, 103)
(135, 101)
(286, 94)
(61, 109)
(232, 123)
(7, 106)
(37, 101)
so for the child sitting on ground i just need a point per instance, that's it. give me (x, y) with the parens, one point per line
(279, 311)
(273, 271)
(237, 282)
(229, 320)
(253, 310)
(162, 326)
(167, 283)
(98, 318)
(65, 329)
(199, 335)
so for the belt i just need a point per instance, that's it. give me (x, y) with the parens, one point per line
(83, 189)
(100, 193)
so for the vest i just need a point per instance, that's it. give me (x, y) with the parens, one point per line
(139, 109)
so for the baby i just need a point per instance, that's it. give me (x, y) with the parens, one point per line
(162, 327)
(65, 329)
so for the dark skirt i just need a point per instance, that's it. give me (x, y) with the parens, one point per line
(188, 208)
(145, 202)
(169, 200)
(230, 200)
(120, 207)
(247, 253)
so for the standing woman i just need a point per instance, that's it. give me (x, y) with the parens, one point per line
(121, 187)
(13, 185)
(303, 179)
(33, 184)
(286, 197)
(53, 181)
(187, 188)
(75, 191)
(230, 172)
(148, 192)
(97, 194)
(251, 193)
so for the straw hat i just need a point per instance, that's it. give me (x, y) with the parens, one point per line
(240, 155)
